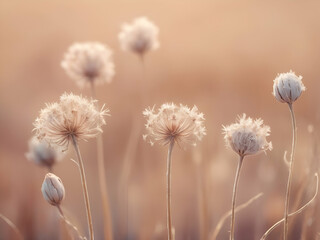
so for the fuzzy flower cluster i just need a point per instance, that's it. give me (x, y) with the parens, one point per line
(73, 117)
(288, 87)
(89, 63)
(174, 123)
(43, 154)
(140, 36)
(247, 136)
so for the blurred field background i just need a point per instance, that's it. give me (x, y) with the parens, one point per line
(219, 55)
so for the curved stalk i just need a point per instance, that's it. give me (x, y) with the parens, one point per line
(84, 187)
(294, 213)
(234, 195)
(68, 223)
(169, 163)
(108, 233)
(227, 214)
(12, 225)
(288, 191)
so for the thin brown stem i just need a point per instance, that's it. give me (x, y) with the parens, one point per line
(12, 225)
(108, 232)
(169, 163)
(294, 213)
(234, 195)
(227, 214)
(68, 223)
(288, 191)
(84, 187)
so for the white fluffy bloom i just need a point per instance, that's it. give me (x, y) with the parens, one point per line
(287, 87)
(140, 36)
(52, 189)
(74, 116)
(89, 63)
(247, 136)
(43, 154)
(174, 123)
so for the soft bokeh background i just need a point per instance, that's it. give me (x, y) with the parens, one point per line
(217, 54)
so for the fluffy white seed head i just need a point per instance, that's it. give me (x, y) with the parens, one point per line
(140, 36)
(247, 136)
(174, 123)
(287, 87)
(52, 189)
(89, 63)
(74, 116)
(42, 153)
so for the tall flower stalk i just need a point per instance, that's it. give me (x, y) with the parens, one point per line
(70, 120)
(172, 125)
(287, 88)
(90, 64)
(246, 137)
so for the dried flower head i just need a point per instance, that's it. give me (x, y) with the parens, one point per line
(247, 136)
(287, 87)
(174, 123)
(52, 189)
(74, 116)
(140, 36)
(89, 63)
(42, 153)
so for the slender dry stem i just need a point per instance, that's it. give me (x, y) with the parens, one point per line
(12, 225)
(169, 163)
(68, 223)
(288, 191)
(228, 214)
(294, 213)
(108, 232)
(234, 195)
(84, 187)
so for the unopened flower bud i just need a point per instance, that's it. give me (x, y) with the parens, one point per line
(53, 189)
(287, 87)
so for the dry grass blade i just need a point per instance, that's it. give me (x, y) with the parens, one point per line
(227, 214)
(294, 213)
(12, 225)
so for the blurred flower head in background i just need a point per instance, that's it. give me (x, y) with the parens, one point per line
(42, 153)
(89, 63)
(74, 116)
(247, 136)
(174, 123)
(140, 36)
(287, 87)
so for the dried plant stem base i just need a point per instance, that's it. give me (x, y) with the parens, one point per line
(108, 233)
(227, 214)
(13, 226)
(291, 163)
(294, 213)
(84, 188)
(68, 223)
(169, 219)
(234, 195)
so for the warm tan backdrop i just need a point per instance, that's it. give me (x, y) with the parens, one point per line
(220, 55)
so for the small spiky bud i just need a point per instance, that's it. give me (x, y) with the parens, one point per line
(174, 123)
(52, 189)
(247, 136)
(140, 36)
(287, 87)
